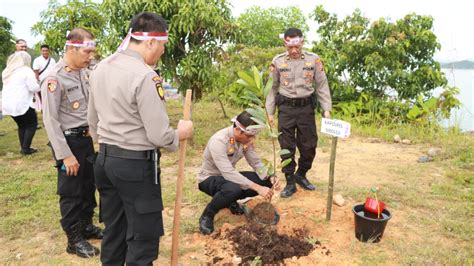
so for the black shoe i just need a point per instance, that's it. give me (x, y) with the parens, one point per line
(28, 151)
(206, 222)
(290, 187)
(76, 244)
(82, 249)
(303, 181)
(236, 209)
(92, 232)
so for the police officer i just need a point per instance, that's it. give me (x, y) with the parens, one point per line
(65, 92)
(127, 116)
(298, 77)
(218, 177)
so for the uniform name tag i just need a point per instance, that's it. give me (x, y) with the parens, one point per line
(284, 70)
(72, 88)
(336, 128)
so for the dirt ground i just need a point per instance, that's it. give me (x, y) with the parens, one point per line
(359, 164)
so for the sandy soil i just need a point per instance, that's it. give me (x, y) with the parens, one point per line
(359, 164)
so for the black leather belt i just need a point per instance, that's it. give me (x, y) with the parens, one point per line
(77, 132)
(283, 100)
(114, 151)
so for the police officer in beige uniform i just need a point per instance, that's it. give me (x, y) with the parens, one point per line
(298, 77)
(65, 92)
(218, 177)
(127, 116)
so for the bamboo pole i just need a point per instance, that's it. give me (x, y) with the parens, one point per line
(179, 185)
(331, 178)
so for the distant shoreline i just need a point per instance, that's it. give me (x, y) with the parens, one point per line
(464, 64)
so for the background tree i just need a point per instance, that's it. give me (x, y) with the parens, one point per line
(7, 42)
(381, 59)
(197, 31)
(262, 27)
(58, 19)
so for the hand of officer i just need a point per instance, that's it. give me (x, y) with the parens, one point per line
(185, 129)
(270, 120)
(265, 192)
(275, 182)
(72, 165)
(327, 114)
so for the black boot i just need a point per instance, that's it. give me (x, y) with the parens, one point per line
(206, 222)
(90, 231)
(236, 209)
(301, 179)
(77, 244)
(290, 187)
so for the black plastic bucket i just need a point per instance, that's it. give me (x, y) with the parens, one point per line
(367, 227)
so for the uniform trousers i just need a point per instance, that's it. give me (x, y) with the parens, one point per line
(298, 129)
(131, 209)
(77, 193)
(225, 192)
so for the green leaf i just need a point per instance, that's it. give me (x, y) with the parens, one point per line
(257, 127)
(286, 162)
(257, 78)
(268, 87)
(257, 113)
(258, 121)
(243, 75)
(284, 152)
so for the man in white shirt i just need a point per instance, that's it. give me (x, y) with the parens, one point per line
(42, 64)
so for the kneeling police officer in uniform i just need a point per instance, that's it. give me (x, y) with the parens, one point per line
(218, 177)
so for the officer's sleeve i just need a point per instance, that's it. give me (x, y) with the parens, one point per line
(322, 86)
(254, 161)
(51, 95)
(92, 116)
(31, 81)
(218, 150)
(271, 97)
(155, 119)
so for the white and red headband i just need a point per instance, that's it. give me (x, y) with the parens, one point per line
(246, 130)
(293, 41)
(143, 36)
(81, 44)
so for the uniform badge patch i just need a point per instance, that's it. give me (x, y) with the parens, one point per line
(75, 105)
(319, 64)
(285, 82)
(159, 87)
(308, 64)
(160, 91)
(284, 65)
(232, 141)
(157, 79)
(52, 84)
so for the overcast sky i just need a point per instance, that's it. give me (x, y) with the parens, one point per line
(453, 20)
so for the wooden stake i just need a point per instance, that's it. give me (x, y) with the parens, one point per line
(179, 185)
(331, 178)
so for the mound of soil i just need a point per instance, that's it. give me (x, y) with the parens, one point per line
(263, 212)
(254, 240)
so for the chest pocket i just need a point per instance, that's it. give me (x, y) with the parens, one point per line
(75, 98)
(287, 76)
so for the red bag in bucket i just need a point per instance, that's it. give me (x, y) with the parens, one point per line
(374, 206)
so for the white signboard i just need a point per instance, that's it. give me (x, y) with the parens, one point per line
(334, 127)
